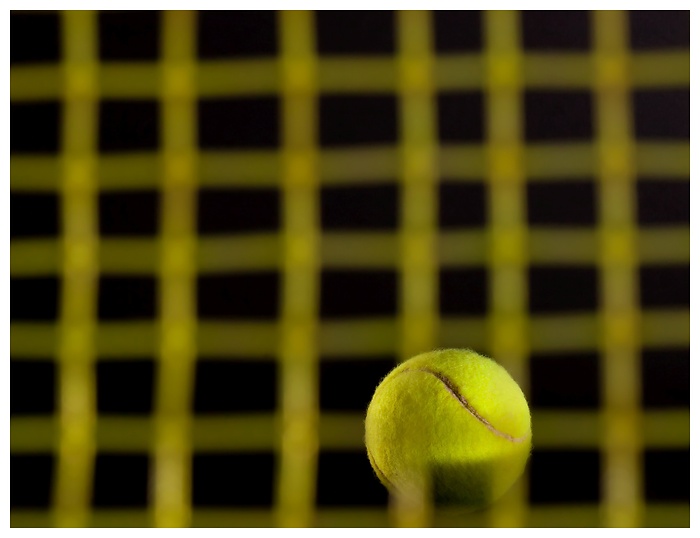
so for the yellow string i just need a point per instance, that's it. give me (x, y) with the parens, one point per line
(419, 208)
(617, 246)
(76, 353)
(177, 347)
(298, 353)
(618, 260)
(508, 226)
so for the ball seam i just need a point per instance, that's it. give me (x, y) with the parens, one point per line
(454, 391)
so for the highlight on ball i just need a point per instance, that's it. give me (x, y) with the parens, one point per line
(451, 424)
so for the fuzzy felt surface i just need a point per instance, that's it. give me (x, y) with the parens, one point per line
(452, 421)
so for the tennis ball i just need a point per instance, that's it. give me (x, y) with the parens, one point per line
(453, 422)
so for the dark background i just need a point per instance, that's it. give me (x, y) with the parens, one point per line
(567, 381)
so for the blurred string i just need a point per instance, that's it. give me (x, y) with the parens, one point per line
(76, 352)
(618, 247)
(171, 487)
(298, 349)
(418, 265)
(621, 481)
(508, 223)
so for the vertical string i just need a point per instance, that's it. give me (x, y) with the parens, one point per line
(298, 352)
(76, 353)
(419, 208)
(508, 225)
(618, 260)
(178, 319)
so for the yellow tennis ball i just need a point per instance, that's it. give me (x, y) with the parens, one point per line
(453, 422)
